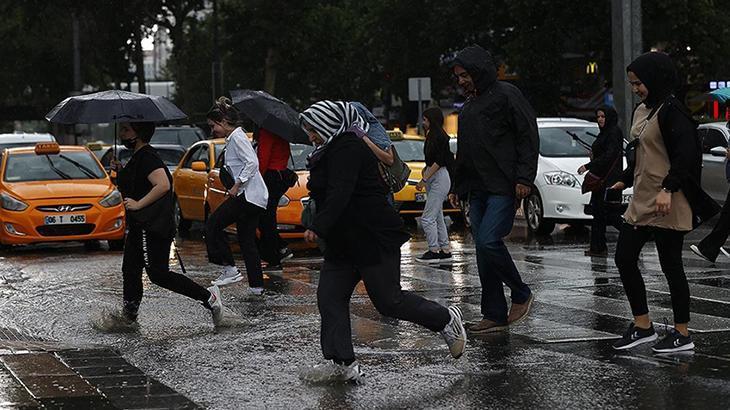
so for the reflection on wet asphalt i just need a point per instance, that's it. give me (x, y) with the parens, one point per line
(559, 357)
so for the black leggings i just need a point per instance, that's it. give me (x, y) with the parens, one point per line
(271, 242)
(152, 252)
(669, 246)
(246, 217)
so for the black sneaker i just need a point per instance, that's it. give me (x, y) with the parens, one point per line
(444, 256)
(635, 336)
(673, 342)
(429, 257)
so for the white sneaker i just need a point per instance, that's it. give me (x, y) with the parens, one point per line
(332, 372)
(724, 251)
(230, 275)
(256, 291)
(697, 252)
(454, 333)
(216, 304)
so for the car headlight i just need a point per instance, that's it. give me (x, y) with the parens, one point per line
(12, 204)
(283, 201)
(562, 178)
(114, 198)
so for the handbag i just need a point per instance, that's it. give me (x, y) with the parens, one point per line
(309, 211)
(592, 182)
(226, 177)
(157, 218)
(396, 175)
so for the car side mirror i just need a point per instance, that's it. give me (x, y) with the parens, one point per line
(718, 152)
(199, 166)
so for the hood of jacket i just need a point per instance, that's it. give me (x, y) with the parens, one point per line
(480, 65)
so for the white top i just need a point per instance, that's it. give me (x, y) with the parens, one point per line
(244, 165)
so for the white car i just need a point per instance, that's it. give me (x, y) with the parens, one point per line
(714, 137)
(557, 195)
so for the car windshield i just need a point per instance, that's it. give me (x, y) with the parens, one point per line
(558, 141)
(66, 165)
(163, 136)
(299, 155)
(410, 150)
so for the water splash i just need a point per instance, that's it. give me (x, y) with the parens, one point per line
(113, 321)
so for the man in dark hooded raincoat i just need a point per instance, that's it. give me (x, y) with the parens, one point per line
(495, 167)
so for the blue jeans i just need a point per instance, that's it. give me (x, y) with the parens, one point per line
(491, 219)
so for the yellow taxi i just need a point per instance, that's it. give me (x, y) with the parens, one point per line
(53, 193)
(410, 201)
(189, 180)
(289, 212)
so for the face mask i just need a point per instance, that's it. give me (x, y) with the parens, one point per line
(130, 143)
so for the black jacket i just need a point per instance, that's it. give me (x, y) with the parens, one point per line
(353, 214)
(607, 150)
(497, 140)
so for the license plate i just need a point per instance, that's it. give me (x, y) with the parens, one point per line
(64, 219)
(420, 197)
(626, 198)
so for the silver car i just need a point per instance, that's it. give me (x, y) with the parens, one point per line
(714, 137)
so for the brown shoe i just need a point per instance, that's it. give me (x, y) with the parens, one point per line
(519, 311)
(485, 326)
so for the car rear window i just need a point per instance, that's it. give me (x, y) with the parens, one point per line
(410, 150)
(165, 136)
(558, 141)
(66, 165)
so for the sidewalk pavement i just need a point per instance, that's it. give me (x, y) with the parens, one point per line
(37, 373)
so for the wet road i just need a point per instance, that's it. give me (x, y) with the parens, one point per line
(559, 357)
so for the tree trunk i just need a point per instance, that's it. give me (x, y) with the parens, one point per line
(270, 70)
(138, 59)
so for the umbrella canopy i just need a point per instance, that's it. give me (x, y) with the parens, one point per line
(270, 113)
(721, 94)
(114, 106)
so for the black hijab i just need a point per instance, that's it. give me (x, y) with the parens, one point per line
(611, 117)
(656, 70)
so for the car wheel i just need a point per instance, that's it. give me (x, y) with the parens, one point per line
(534, 214)
(183, 225)
(116, 245)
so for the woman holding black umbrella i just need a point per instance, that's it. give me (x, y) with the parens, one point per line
(145, 184)
(247, 199)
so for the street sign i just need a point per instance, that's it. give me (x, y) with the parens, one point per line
(419, 89)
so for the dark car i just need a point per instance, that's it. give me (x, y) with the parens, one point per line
(184, 136)
(170, 155)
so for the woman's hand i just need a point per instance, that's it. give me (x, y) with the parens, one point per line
(234, 189)
(310, 236)
(582, 170)
(115, 165)
(663, 203)
(618, 185)
(420, 185)
(131, 205)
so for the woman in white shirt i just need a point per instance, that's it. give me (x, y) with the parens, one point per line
(246, 201)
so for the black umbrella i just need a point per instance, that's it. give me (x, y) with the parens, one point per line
(114, 106)
(270, 113)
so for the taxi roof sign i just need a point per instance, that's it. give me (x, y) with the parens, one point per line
(47, 148)
(395, 134)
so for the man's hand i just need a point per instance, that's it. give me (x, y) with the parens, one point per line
(454, 200)
(131, 205)
(663, 203)
(521, 191)
(310, 236)
(618, 185)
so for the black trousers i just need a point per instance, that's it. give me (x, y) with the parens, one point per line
(710, 245)
(152, 252)
(603, 215)
(669, 246)
(246, 217)
(270, 241)
(338, 279)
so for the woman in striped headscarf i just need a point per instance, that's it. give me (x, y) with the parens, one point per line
(363, 234)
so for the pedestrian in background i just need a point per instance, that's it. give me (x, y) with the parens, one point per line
(711, 245)
(363, 234)
(666, 172)
(607, 164)
(145, 183)
(273, 154)
(496, 163)
(247, 200)
(437, 182)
